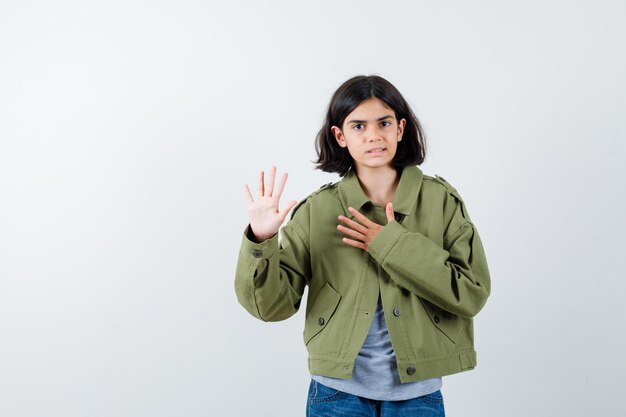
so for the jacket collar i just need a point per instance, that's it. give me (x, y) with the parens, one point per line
(404, 201)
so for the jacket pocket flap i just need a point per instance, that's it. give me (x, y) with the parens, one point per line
(445, 321)
(320, 314)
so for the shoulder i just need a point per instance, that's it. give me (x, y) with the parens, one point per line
(452, 195)
(440, 184)
(321, 192)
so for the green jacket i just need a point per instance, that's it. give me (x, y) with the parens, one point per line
(428, 266)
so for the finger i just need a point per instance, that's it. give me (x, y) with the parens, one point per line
(287, 209)
(270, 185)
(354, 243)
(352, 233)
(353, 225)
(247, 193)
(281, 185)
(390, 214)
(360, 217)
(261, 186)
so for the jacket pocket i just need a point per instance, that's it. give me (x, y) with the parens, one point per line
(322, 311)
(448, 323)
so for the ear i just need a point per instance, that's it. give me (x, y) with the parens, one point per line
(401, 125)
(341, 140)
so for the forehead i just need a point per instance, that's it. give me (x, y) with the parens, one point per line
(371, 108)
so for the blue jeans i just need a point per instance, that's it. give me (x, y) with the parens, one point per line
(327, 402)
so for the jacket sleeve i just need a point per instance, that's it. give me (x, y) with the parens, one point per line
(454, 277)
(271, 276)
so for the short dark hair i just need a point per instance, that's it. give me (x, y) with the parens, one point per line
(333, 158)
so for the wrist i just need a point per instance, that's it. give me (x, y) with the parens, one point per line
(258, 238)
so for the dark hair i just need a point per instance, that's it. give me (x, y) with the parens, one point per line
(333, 158)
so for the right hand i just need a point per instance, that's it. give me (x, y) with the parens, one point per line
(265, 218)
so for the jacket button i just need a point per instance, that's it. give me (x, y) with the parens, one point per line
(410, 370)
(396, 312)
(257, 253)
(436, 318)
(321, 321)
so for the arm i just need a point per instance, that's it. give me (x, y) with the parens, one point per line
(270, 277)
(455, 277)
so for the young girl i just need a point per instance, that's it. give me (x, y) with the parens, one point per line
(394, 265)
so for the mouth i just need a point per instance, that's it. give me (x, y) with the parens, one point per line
(376, 151)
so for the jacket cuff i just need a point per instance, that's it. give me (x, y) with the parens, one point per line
(380, 246)
(252, 250)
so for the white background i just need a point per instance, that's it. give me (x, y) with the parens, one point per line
(127, 130)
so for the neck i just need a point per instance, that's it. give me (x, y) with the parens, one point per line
(379, 185)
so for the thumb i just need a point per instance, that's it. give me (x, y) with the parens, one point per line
(287, 209)
(389, 212)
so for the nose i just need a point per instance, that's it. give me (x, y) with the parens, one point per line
(374, 133)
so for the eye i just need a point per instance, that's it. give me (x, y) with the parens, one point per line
(358, 126)
(385, 123)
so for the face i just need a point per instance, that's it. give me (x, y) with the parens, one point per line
(371, 133)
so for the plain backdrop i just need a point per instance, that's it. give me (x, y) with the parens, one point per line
(127, 131)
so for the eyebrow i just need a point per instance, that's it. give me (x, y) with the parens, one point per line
(380, 119)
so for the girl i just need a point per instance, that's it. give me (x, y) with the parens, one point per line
(394, 265)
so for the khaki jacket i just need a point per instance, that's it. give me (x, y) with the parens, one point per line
(428, 266)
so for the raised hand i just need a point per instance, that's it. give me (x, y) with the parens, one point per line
(265, 217)
(363, 232)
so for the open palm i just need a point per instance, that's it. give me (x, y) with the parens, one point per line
(265, 216)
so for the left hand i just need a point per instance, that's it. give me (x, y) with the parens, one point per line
(365, 231)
